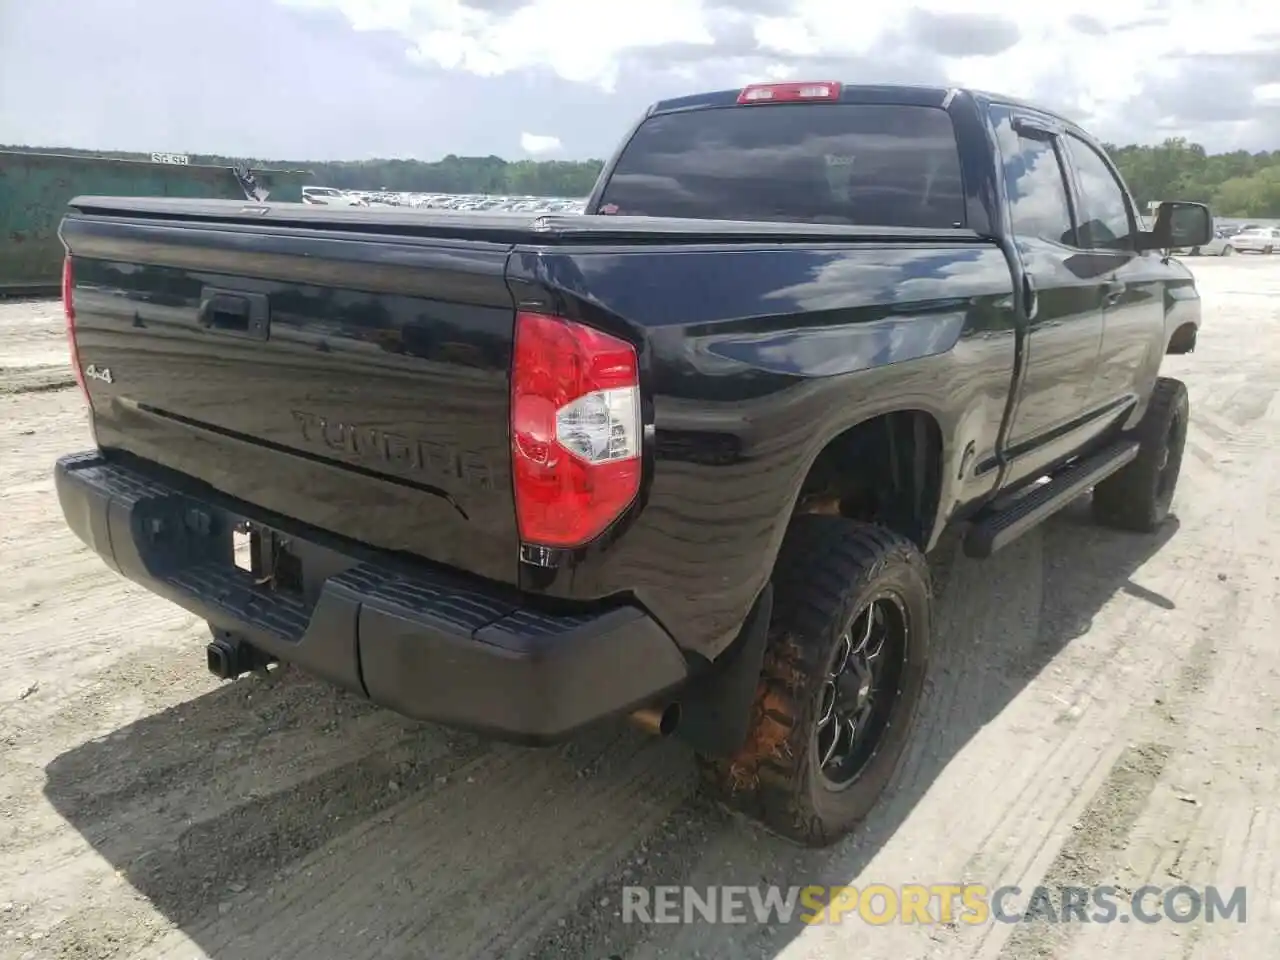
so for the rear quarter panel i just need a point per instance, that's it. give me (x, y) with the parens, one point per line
(752, 360)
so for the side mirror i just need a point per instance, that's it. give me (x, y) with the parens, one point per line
(1178, 223)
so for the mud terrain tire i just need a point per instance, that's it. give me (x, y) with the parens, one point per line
(833, 578)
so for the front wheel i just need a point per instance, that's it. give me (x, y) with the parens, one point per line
(1268, 250)
(843, 675)
(1138, 496)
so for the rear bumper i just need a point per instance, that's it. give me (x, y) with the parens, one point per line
(424, 643)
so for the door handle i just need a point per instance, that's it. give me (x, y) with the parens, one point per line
(1030, 296)
(1113, 291)
(235, 314)
(227, 312)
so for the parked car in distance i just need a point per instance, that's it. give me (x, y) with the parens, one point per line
(1257, 240)
(681, 458)
(1221, 245)
(325, 196)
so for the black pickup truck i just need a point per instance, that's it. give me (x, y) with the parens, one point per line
(681, 458)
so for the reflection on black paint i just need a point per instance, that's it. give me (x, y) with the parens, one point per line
(846, 348)
(225, 409)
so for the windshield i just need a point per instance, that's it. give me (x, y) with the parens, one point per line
(874, 165)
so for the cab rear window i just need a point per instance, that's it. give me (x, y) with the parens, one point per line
(840, 163)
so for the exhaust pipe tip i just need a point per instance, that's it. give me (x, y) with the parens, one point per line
(658, 721)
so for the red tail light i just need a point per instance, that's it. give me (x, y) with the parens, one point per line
(575, 430)
(69, 311)
(789, 92)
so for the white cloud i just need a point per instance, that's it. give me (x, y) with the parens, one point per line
(573, 37)
(1093, 57)
(340, 79)
(538, 144)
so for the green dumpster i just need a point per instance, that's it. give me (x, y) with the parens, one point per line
(35, 189)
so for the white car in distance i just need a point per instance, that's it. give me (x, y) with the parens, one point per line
(1257, 240)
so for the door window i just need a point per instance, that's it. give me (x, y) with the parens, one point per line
(1035, 185)
(1104, 220)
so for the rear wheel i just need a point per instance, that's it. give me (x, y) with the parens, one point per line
(1228, 251)
(843, 675)
(1268, 250)
(1139, 496)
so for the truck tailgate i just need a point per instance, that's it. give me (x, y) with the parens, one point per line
(355, 383)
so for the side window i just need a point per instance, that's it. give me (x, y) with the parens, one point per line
(1104, 219)
(1035, 185)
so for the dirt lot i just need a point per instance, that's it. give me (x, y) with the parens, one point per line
(1103, 709)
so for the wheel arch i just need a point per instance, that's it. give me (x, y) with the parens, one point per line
(885, 468)
(1183, 339)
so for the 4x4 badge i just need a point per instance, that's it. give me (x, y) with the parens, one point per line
(94, 372)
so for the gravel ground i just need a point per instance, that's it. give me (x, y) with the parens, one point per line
(1103, 710)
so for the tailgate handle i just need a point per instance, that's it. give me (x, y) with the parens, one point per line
(235, 314)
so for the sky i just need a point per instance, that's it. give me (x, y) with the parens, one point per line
(565, 79)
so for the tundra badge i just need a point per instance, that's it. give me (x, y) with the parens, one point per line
(94, 372)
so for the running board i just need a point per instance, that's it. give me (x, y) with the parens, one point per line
(990, 532)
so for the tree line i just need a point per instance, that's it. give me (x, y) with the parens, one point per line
(1237, 184)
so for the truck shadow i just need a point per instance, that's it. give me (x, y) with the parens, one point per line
(288, 819)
